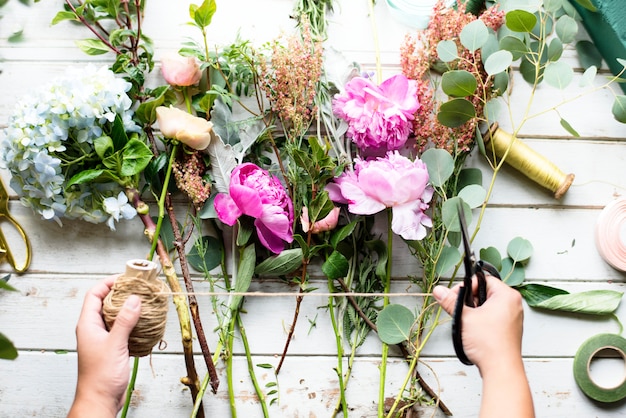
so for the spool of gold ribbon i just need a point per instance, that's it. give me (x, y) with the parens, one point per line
(527, 161)
(610, 227)
(140, 278)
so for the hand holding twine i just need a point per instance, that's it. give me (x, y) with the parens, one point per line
(140, 279)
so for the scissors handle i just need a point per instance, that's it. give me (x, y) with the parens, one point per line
(5, 249)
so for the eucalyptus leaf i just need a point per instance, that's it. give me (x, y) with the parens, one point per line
(456, 112)
(206, 254)
(498, 62)
(519, 249)
(280, 264)
(555, 49)
(450, 213)
(492, 256)
(558, 74)
(520, 21)
(394, 324)
(512, 273)
(492, 109)
(588, 76)
(569, 128)
(458, 83)
(448, 258)
(534, 294)
(552, 6)
(469, 175)
(244, 276)
(474, 35)
(593, 302)
(440, 165)
(336, 266)
(619, 108)
(566, 29)
(474, 195)
(515, 46)
(447, 51)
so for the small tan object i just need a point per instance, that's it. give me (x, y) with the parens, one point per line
(140, 279)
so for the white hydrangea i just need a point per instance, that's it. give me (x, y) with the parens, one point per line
(51, 128)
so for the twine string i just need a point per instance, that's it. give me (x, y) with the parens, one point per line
(293, 294)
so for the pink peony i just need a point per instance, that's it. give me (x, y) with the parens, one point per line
(255, 192)
(391, 182)
(180, 71)
(327, 224)
(379, 117)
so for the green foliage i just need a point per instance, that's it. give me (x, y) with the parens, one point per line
(206, 253)
(394, 324)
(280, 264)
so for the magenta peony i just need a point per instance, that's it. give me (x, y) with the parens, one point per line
(379, 117)
(256, 193)
(391, 182)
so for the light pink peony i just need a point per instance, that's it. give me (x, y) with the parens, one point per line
(391, 182)
(379, 117)
(256, 193)
(327, 224)
(191, 130)
(180, 71)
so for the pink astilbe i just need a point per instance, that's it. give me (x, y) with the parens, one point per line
(290, 81)
(188, 174)
(418, 55)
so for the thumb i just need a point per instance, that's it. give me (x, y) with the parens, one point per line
(126, 318)
(445, 297)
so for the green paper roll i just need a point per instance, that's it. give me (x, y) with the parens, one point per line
(582, 362)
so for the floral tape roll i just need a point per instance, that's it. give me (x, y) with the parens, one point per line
(610, 227)
(582, 363)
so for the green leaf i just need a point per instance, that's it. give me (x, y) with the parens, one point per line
(92, 46)
(336, 266)
(492, 109)
(474, 195)
(456, 112)
(86, 176)
(588, 54)
(440, 165)
(450, 213)
(7, 349)
(552, 6)
(103, 146)
(520, 21)
(64, 15)
(566, 29)
(588, 76)
(458, 83)
(514, 45)
(469, 176)
(245, 230)
(555, 49)
(280, 264)
(203, 14)
(146, 112)
(448, 258)
(519, 249)
(244, 275)
(534, 294)
(619, 108)
(587, 4)
(447, 51)
(474, 35)
(593, 302)
(492, 256)
(5, 286)
(394, 324)
(135, 157)
(206, 254)
(558, 74)
(498, 62)
(569, 128)
(512, 273)
(342, 233)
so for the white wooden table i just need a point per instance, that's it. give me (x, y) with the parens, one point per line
(67, 261)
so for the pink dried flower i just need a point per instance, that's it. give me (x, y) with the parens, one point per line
(188, 174)
(379, 117)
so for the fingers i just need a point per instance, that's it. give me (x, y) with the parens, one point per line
(446, 298)
(126, 319)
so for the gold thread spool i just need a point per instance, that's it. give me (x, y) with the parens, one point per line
(527, 161)
(140, 278)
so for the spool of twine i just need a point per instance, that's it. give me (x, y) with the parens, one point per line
(527, 161)
(610, 234)
(140, 278)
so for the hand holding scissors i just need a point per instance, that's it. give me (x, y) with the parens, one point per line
(7, 219)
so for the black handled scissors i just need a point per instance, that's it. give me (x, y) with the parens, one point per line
(5, 250)
(466, 298)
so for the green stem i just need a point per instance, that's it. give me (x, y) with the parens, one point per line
(161, 202)
(342, 389)
(130, 388)
(255, 382)
(385, 349)
(229, 368)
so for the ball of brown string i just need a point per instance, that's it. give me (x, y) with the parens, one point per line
(151, 325)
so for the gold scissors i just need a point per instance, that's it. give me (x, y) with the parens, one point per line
(5, 250)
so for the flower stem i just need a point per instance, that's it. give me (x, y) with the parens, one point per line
(131, 387)
(342, 389)
(255, 382)
(385, 348)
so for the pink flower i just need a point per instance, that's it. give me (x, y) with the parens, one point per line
(379, 117)
(391, 182)
(255, 192)
(327, 224)
(180, 71)
(191, 130)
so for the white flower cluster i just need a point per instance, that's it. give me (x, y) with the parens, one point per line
(50, 137)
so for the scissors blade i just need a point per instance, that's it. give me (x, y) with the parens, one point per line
(468, 258)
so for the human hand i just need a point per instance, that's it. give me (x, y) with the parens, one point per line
(492, 332)
(103, 359)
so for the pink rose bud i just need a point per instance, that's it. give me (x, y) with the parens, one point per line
(180, 71)
(327, 224)
(191, 130)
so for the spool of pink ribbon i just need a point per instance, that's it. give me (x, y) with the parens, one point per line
(611, 234)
